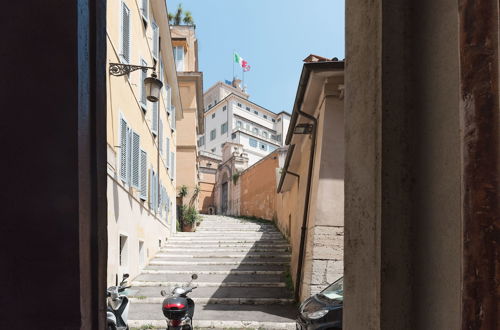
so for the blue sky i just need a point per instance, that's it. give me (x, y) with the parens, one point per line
(273, 36)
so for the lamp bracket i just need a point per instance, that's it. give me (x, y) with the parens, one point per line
(119, 69)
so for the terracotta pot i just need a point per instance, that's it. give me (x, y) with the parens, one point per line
(188, 228)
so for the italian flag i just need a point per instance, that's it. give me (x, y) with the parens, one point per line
(244, 64)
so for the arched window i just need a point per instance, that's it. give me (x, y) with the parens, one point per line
(238, 123)
(264, 134)
(255, 130)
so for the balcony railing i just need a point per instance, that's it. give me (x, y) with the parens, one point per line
(260, 136)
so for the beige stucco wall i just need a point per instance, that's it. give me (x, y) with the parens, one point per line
(323, 260)
(127, 214)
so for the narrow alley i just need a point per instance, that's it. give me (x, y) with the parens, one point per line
(242, 267)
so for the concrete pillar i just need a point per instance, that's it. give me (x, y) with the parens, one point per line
(53, 128)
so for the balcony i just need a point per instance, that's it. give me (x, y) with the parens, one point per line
(259, 136)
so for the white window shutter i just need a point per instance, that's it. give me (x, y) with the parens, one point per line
(168, 153)
(154, 119)
(160, 137)
(143, 86)
(123, 149)
(169, 98)
(125, 31)
(144, 176)
(156, 38)
(173, 118)
(135, 157)
(144, 9)
(129, 154)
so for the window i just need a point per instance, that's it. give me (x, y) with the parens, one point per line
(213, 150)
(154, 119)
(255, 130)
(144, 9)
(125, 34)
(265, 116)
(212, 134)
(124, 149)
(279, 119)
(256, 112)
(247, 127)
(253, 143)
(167, 156)
(201, 141)
(273, 120)
(223, 128)
(179, 57)
(143, 76)
(144, 176)
(156, 40)
(263, 146)
(213, 115)
(272, 148)
(247, 108)
(123, 250)
(264, 134)
(274, 137)
(224, 108)
(239, 105)
(239, 123)
(160, 137)
(233, 136)
(278, 137)
(210, 106)
(135, 159)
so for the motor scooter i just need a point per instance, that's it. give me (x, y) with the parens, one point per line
(118, 306)
(178, 308)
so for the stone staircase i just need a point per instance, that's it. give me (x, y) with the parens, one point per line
(241, 267)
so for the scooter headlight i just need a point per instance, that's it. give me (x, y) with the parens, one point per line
(313, 309)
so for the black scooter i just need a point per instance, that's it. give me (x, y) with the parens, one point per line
(178, 308)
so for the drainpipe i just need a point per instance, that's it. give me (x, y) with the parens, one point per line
(303, 236)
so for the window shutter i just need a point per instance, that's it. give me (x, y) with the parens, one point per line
(144, 9)
(168, 153)
(155, 40)
(143, 86)
(160, 137)
(125, 33)
(169, 98)
(172, 165)
(144, 176)
(173, 118)
(129, 154)
(154, 119)
(135, 157)
(151, 184)
(123, 149)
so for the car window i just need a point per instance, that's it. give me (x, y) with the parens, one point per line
(335, 290)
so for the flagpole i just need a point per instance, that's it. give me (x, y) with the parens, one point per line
(233, 63)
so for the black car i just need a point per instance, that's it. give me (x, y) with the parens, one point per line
(323, 311)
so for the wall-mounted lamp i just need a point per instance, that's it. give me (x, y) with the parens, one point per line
(303, 129)
(153, 84)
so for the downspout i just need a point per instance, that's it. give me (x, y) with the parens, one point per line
(303, 236)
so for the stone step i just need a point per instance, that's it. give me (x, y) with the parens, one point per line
(221, 241)
(210, 245)
(212, 284)
(176, 254)
(215, 324)
(224, 301)
(213, 272)
(193, 268)
(142, 292)
(229, 235)
(227, 316)
(220, 260)
(203, 277)
(190, 249)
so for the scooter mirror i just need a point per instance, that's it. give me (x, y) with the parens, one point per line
(125, 276)
(163, 293)
(194, 276)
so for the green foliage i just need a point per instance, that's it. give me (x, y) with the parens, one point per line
(183, 191)
(236, 176)
(177, 18)
(288, 279)
(189, 215)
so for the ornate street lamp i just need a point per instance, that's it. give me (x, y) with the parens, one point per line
(153, 84)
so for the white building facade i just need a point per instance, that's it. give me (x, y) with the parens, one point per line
(231, 117)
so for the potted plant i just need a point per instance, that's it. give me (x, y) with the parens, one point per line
(189, 218)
